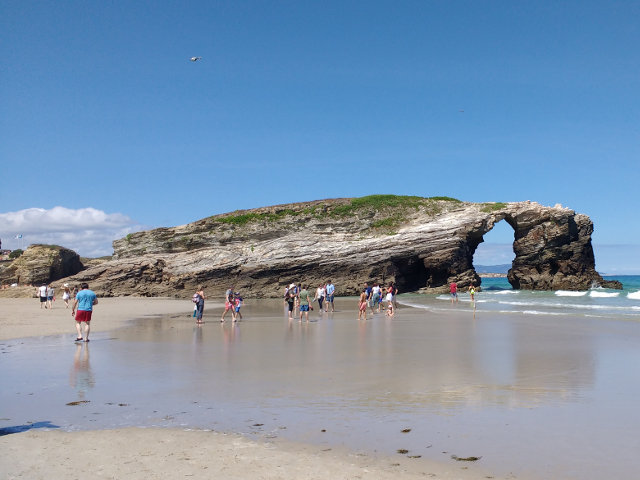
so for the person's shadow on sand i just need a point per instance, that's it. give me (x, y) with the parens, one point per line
(24, 428)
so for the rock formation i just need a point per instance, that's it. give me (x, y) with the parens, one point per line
(41, 264)
(422, 244)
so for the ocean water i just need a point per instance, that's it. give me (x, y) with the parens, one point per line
(497, 296)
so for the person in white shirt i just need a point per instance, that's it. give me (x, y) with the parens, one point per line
(320, 293)
(376, 294)
(42, 293)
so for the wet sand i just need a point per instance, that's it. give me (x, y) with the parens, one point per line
(533, 397)
(22, 317)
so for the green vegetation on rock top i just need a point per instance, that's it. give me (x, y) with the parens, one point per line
(392, 208)
(493, 206)
(398, 203)
(244, 218)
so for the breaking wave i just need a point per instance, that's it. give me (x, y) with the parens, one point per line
(598, 294)
(569, 293)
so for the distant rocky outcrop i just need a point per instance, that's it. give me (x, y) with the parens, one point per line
(41, 264)
(421, 244)
(493, 269)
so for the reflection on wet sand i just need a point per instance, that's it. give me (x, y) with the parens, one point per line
(81, 377)
(447, 377)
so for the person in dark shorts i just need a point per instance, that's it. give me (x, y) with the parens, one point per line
(42, 293)
(305, 302)
(330, 290)
(290, 297)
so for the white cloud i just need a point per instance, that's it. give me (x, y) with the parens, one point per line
(88, 231)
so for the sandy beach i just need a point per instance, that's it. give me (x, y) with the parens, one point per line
(30, 449)
(159, 453)
(153, 395)
(22, 317)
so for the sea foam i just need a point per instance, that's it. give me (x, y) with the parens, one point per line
(569, 293)
(597, 294)
(634, 295)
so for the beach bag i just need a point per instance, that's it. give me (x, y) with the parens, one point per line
(195, 298)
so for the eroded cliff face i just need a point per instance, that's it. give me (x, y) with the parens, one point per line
(421, 244)
(40, 264)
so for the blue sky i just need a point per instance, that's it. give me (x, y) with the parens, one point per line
(104, 116)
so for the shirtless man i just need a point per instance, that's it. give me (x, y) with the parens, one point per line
(229, 304)
(362, 305)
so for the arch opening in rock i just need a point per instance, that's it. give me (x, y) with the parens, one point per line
(494, 255)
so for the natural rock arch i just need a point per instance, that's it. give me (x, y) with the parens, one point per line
(552, 248)
(421, 244)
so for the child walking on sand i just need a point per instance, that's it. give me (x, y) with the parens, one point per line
(239, 302)
(66, 295)
(389, 299)
(362, 306)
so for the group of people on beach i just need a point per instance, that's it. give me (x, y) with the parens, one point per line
(453, 290)
(232, 303)
(298, 301)
(297, 297)
(47, 294)
(81, 308)
(374, 296)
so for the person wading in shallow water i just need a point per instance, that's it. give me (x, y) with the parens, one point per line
(85, 300)
(319, 296)
(362, 305)
(290, 297)
(453, 290)
(229, 304)
(200, 305)
(305, 301)
(330, 289)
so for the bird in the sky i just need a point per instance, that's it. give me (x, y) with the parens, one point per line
(195, 59)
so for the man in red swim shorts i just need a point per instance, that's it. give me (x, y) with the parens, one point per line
(229, 304)
(85, 300)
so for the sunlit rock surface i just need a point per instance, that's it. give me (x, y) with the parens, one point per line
(41, 264)
(421, 244)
